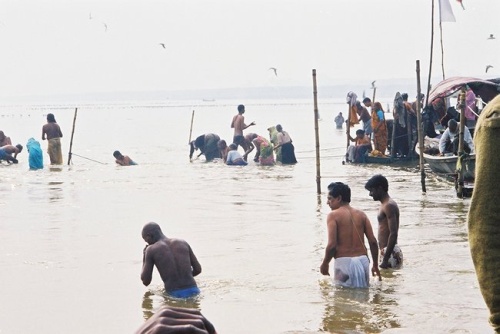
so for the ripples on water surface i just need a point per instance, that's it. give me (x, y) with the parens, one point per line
(71, 247)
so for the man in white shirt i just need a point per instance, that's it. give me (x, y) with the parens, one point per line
(449, 139)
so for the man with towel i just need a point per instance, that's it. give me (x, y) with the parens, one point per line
(347, 227)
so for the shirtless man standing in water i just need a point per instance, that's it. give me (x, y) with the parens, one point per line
(388, 222)
(238, 124)
(174, 260)
(347, 228)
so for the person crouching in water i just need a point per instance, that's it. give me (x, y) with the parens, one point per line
(234, 158)
(207, 144)
(123, 160)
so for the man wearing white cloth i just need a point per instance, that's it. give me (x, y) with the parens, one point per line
(347, 228)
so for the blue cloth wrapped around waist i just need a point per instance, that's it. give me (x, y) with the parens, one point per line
(185, 293)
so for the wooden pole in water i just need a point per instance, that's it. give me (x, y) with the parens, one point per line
(420, 131)
(191, 129)
(316, 131)
(348, 128)
(430, 58)
(461, 104)
(72, 133)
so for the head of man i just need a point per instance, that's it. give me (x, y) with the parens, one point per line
(51, 118)
(19, 148)
(367, 102)
(404, 96)
(279, 128)
(117, 155)
(338, 193)
(2, 136)
(151, 233)
(232, 147)
(452, 125)
(241, 109)
(360, 133)
(221, 144)
(378, 186)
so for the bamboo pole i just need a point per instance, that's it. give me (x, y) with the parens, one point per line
(430, 58)
(316, 131)
(461, 104)
(72, 134)
(420, 131)
(191, 129)
(348, 130)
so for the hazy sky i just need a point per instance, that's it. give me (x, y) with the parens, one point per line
(83, 46)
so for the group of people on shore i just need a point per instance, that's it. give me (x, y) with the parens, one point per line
(50, 132)
(213, 147)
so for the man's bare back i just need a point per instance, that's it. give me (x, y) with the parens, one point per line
(51, 130)
(173, 258)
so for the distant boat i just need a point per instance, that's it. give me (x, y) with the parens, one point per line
(208, 100)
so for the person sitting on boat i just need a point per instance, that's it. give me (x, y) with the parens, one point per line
(362, 145)
(234, 157)
(448, 143)
(207, 144)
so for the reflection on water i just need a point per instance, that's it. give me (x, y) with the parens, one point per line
(358, 310)
(156, 298)
(55, 191)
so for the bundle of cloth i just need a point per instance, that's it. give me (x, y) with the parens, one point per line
(483, 219)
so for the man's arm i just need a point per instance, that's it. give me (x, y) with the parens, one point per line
(246, 126)
(251, 146)
(147, 266)
(372, 241)
(232, 122)
(43, 133)
(331, 246)
(194, 263)
(442, 140)
(391, 212)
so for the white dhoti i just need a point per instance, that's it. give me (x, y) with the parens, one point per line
(352, 272)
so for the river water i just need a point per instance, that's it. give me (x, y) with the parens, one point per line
(71, 246)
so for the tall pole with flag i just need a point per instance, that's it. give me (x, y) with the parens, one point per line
(445, 15)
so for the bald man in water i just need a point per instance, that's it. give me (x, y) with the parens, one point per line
(174, 260)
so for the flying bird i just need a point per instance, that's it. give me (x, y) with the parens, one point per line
(491, 36)
(275, 70)
(373, 83)
(488, 67)
(105, 27)
(163, 45)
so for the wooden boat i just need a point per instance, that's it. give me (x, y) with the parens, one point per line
(461, 168)
(447, 165)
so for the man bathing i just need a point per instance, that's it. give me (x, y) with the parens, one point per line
(7, 151)
(174, 260)
(347, 227)
(388, 222)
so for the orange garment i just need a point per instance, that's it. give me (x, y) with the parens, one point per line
(380, 138)
(353, 116)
